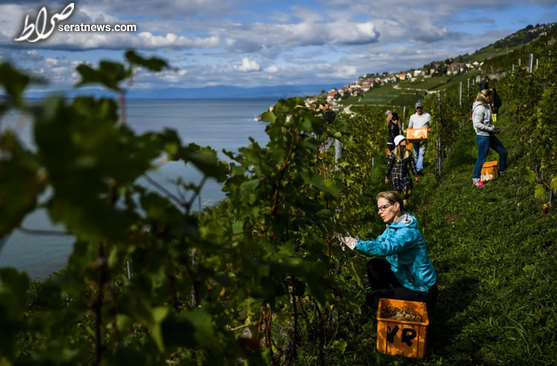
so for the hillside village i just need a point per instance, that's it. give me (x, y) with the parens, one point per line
(449, 67)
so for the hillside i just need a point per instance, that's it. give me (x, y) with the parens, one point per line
(495, 59)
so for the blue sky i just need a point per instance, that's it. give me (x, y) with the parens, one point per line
(264, 43)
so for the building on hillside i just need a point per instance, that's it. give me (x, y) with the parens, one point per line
(366, 85)
(456, 68)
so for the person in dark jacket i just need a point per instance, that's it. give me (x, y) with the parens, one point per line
(398, 167)
(405, 272)
(484, 84)
(394, 126)
(495, 101)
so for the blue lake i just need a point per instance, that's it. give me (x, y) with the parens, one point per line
(221, 123)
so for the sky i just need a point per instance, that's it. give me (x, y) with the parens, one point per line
(257, 43)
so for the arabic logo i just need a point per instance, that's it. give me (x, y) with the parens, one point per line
(39, 29)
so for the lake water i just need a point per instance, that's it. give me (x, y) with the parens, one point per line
(221, 124)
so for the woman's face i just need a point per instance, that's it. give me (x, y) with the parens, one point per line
(388, 211)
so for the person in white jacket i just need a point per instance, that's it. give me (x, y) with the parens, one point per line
(485, 135)
(420, 119)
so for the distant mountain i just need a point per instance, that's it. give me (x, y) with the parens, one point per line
(213, 92)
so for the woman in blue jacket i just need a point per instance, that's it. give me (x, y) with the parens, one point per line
(405, 272)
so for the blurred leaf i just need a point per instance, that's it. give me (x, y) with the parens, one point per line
(22, 182)
(540, 192)
(268, 116)
(13, 82)
(153, 63)
(13, 288)
(109, 74)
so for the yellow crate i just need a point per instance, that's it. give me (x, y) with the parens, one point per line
(402, 337)
(490, 171)
(417, 133)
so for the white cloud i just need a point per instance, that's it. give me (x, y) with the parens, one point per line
(303, 34)
(248, 65)
(173, 76)
(51, 62)
(345, 71)
(271, 69)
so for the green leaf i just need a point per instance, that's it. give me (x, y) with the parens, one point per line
(540, 192)
(153, 63)
(109, 74)
(238, 227)
(13, 288)
(15, 83)
(22, 182)
(207, 162)
(326, 186)
(530, 176)
(203, 326)
(268, 116)
(152, 318)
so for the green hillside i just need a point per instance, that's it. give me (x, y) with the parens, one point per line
(498, 58)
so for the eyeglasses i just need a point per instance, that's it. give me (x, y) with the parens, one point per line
(402, 145)
(384, 207)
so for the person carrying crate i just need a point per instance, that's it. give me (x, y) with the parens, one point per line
(420, 119)
(485, 135)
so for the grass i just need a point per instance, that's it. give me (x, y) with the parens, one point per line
(494, 253)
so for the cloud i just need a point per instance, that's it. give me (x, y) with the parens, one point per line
(306, 33)
(248, 65)
(182, 9)
(271, 69)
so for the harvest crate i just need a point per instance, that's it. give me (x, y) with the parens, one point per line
(417, 133)
(490, 171)
(399, 336)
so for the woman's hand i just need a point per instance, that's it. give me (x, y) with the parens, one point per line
(416, 178)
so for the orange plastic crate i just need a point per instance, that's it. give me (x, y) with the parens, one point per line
(402, 337)
(490, 171)
(417, 133)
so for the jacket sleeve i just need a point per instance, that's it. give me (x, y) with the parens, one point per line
(413, 165)
(390, 164)
(478, 116)
(411, 123)
(383, 246)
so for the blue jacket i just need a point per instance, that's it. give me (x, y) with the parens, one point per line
(403, 246)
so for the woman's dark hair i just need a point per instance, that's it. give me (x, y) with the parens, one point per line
(395, 116)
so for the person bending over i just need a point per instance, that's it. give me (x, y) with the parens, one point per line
(405, 272)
